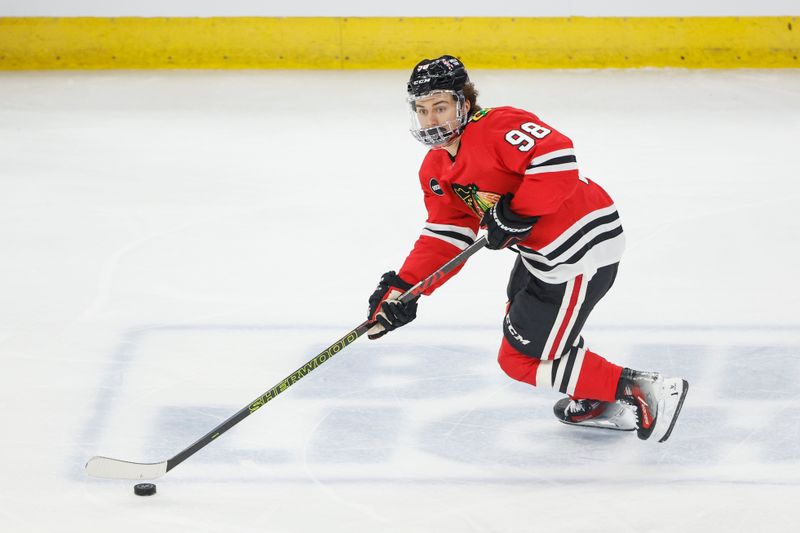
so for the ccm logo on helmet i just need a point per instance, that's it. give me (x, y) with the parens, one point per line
(436, 188)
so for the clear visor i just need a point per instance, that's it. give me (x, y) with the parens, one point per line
(438, 117)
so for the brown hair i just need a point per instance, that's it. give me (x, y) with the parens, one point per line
(471, 95)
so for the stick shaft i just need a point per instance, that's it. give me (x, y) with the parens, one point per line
(259, 402)
(320, 358)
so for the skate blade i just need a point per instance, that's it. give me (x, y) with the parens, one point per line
(615, 417)
(678, 408)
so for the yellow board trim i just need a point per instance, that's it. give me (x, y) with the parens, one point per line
(391, 43)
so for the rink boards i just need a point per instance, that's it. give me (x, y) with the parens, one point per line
(397, 42)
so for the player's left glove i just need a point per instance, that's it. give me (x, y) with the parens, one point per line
(386, 309)
(504, 227)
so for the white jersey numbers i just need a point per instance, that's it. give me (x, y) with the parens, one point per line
(520, 140)
(525, 141)
(536, 130)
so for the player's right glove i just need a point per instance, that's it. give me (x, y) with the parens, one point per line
(503, 226)
(386, 309)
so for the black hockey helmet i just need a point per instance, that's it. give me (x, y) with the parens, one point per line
(444, 73)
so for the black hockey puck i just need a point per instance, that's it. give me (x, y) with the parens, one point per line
(144, 489)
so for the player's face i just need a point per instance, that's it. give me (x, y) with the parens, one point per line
(436, 109)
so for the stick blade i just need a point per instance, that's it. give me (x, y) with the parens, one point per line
(108, 468)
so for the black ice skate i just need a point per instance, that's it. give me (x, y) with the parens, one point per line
(595, 414)
(656, 401)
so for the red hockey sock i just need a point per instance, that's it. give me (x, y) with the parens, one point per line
(590, 374)
(516, 364)
(598, 378)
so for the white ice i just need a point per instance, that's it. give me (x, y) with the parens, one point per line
(175, 243)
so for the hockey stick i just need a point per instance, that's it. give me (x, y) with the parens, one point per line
(106, 467)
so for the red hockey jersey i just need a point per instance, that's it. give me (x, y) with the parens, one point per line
(506, 150)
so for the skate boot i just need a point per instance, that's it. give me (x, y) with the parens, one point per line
(656, 401)
(596, 414)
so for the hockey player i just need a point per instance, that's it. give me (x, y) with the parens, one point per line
(505, 170)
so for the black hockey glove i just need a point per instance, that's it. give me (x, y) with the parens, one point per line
(504, 227)
(385, 308)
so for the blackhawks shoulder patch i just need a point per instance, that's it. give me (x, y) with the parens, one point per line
(480, 114)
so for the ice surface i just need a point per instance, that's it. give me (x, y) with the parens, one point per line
(174, 244)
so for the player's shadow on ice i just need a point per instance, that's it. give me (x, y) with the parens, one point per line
(594, 435)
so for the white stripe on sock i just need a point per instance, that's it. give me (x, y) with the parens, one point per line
(576, 372)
